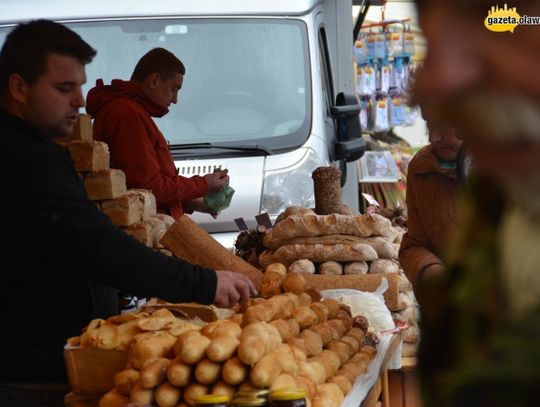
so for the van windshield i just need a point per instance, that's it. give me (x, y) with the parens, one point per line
(247, 80)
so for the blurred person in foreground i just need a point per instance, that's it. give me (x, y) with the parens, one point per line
(65, 255)
(481, 333)
(432, 195)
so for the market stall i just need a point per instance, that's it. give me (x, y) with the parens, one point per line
(304, 331)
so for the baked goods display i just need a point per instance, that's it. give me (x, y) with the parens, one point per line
(285, 341)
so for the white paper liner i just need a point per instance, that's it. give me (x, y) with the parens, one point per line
(364, 383)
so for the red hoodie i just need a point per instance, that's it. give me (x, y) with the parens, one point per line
(122, 115)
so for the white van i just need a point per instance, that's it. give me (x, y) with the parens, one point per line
(260, 95)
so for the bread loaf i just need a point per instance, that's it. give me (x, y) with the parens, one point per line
(204, 250)
(81, 132)
(318, 253)
(89, 156)
(384, 249)
(294, 210)
(105, 184)
(321, 225)
(142, 231)
(125, 210)
(148, 202)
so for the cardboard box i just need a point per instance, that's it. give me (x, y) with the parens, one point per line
(92, 370)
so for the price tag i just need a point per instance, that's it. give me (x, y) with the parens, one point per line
(264, 220)
(370, 199)
(241, 224)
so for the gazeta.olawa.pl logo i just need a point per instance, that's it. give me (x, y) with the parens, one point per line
(507, 19)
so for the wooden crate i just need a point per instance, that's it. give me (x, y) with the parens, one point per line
(92, 371)
(82, 400)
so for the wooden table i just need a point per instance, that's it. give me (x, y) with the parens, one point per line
(403, 385)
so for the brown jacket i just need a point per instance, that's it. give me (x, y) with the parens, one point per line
(431, 203)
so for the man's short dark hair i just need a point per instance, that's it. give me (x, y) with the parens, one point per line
(158, 60)
(27, 47)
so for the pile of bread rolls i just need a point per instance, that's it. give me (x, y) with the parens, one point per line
(285, 341)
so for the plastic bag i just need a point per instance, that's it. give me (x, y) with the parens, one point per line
(217, 201)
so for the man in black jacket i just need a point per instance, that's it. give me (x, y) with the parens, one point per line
(65, 255)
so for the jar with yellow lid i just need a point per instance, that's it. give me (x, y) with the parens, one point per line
(288, 397)
(212, 400)
(262, 393)
(249, 402)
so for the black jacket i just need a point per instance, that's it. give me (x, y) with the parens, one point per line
(64, 257)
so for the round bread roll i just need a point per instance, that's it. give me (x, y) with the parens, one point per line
(295, 283)
(331, 267)
(383, 266)
(356, 267)
(276, 268)
(302, 266)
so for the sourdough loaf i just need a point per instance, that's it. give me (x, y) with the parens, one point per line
(318, 253)
(322, 225)
(384, 249)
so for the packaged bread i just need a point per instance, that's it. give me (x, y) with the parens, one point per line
(204, 250)
(318, 253)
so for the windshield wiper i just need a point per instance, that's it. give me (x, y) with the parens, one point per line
(238, 147)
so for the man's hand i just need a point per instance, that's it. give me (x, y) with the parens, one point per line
(217, 180)
(232, 288)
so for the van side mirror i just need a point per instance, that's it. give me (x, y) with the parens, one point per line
(350, 145)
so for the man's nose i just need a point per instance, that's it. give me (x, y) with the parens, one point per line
(78, 99)
(174, 98)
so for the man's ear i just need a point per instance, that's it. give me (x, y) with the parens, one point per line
(18, 88)
(153, 80)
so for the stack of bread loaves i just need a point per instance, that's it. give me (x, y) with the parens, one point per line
(332, 244)
(285, 341)
(134, 210)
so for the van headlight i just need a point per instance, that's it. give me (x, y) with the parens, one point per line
(292, 185)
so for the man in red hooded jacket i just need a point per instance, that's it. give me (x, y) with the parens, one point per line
(122, 113)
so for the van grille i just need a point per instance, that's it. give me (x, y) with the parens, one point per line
(190, 170)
